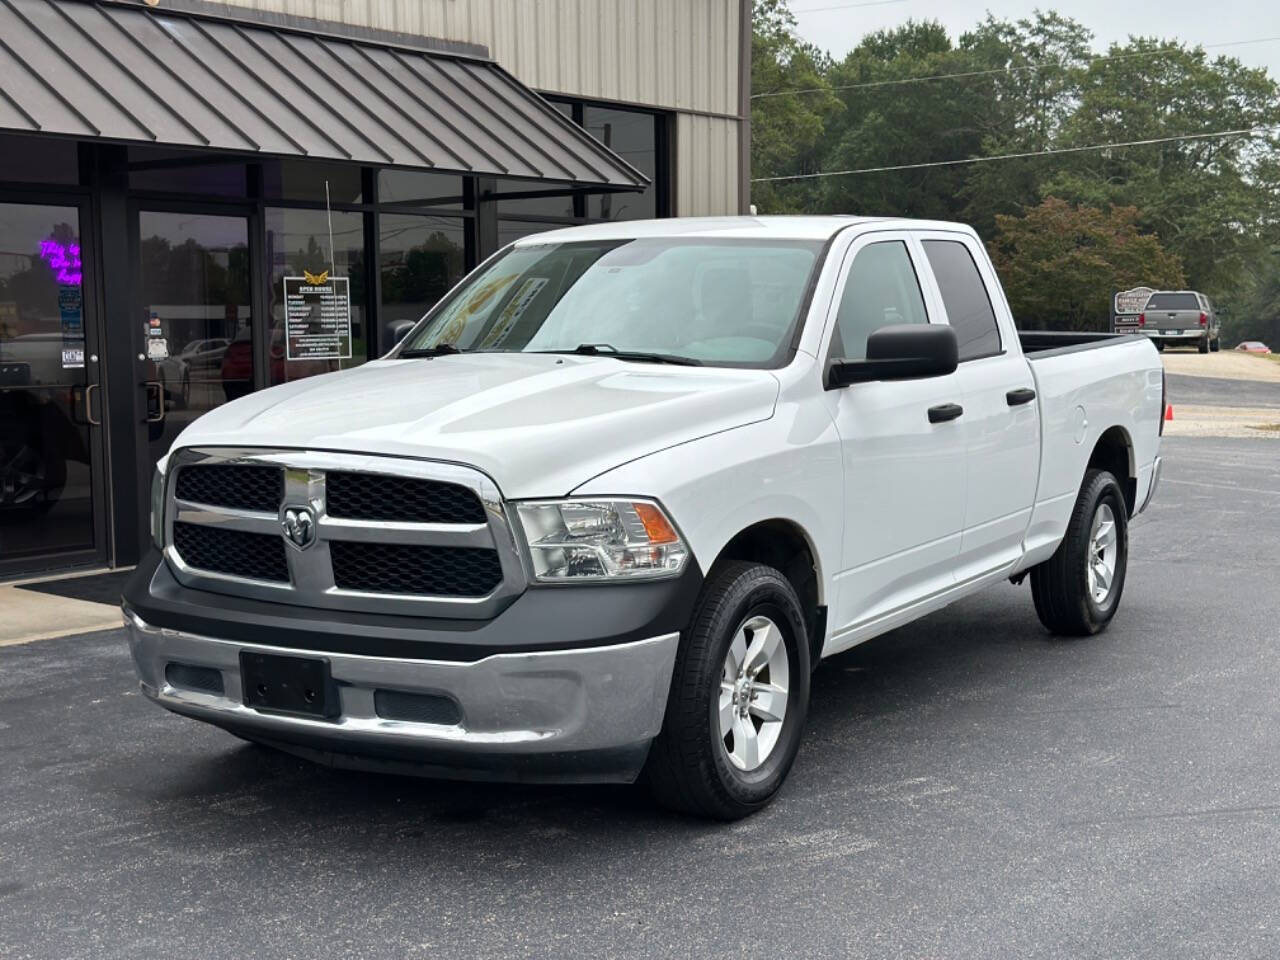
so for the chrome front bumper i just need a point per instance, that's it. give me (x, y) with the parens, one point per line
(585, 714)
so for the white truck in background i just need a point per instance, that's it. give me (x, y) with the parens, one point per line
(602, 511)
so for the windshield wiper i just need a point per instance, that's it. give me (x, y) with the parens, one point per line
(609, 350)
(439, 350)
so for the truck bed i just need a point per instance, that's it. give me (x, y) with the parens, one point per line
(1080, 387)
(1040, 343)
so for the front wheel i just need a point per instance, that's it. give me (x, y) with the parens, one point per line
(738, 700)
(1077, 590)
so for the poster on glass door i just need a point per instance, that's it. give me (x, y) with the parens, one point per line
(317, 311)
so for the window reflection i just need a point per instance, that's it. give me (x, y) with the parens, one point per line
(422, 258)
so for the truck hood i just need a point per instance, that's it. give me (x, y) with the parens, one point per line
(538, 424)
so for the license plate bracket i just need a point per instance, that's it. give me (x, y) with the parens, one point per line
(297, 686)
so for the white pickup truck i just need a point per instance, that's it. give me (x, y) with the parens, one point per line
(602, 511)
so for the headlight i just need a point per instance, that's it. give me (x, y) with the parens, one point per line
(601, 540)
(157, 508)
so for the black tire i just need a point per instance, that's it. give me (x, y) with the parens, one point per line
(1215, 345)
(1204, 345)
(1159, 345)
(1060, 587)
(688, 767)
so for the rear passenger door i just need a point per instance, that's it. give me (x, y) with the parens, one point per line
(1001, 417)
(904, 476)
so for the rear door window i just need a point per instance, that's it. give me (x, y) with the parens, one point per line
(965, 297)
(881, 291)
(1173, 301)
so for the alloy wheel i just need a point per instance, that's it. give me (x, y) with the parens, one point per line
(754, 684)
(1101, 558)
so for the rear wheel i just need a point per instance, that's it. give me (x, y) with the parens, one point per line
(1215, 344)
(1077, 590)
(738, 700)
(1204, 344)
(1159, 345)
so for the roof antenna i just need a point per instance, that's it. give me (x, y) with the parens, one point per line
(329, 213)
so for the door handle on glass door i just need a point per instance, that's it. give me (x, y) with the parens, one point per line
(88, 406)
(944, 412)
(158, 387)
(1020, 396)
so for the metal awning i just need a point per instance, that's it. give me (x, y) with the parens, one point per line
(126, 73)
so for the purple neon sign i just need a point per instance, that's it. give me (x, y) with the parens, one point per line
(63, 259)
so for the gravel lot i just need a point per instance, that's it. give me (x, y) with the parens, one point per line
(1226, 365)
(1223, 395)
(969, 787)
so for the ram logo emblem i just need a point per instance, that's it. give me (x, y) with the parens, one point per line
(299, 526)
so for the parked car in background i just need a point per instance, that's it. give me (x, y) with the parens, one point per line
(202, 356)
(1180, 317)
(1253, 346)
(608, 503)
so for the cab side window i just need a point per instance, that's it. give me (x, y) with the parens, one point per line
(965, 296)
(881, 291)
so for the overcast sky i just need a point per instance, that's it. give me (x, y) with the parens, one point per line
(1191, 21)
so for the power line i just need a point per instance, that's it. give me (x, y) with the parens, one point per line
(849, 6)
(1030, 68)
(1020, 156)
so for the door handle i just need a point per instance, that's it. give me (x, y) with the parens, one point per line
(159, 389)
(944, 412)
(88, 405)
(1020, 396)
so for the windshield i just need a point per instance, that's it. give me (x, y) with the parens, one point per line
(718, 302)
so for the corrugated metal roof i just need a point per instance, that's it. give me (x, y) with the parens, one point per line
(128, 73)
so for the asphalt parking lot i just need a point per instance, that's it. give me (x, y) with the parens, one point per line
(969, 787)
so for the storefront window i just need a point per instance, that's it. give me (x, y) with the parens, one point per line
(634, 137)
(186, 172)
(422, 189)
(46, 500)
(194, 288)
(560, 205)
(422, 258)
(307, 180)
(318, 295)
(38, 160)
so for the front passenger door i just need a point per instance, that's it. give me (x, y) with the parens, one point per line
(904, 475)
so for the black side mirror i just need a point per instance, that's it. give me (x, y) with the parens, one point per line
(904, 352)
(400, 331)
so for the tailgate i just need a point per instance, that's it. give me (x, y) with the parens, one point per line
(1169, 321)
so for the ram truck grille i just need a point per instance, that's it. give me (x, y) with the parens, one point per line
(257, 556)
(231, 485)
(341, 531)
(371, 496)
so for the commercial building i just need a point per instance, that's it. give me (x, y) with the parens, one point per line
(202, 199)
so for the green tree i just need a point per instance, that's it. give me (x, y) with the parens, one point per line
(787, 128)
(1060, 264)
(893, 116)
(1212, 200)
(1025, 106)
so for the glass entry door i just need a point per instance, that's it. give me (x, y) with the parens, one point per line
(50, 405)
(195, 304)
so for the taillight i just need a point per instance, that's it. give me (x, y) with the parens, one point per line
(1164, 402)
(1142, 319)
(1204, 319)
